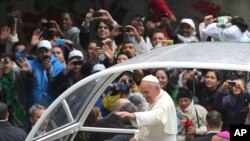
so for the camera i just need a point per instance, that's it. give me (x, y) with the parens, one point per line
(123, 29)
(4, 60)
(231, 83)
(97, 14)
(46, 25)
(128, 81)
(77, 62)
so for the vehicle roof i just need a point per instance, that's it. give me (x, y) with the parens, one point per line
(206, 55)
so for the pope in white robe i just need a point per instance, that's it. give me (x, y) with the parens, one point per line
(158, 122)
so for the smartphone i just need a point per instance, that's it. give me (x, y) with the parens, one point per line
(123, 29)
(46, 25)
(167, 42)
(97, 14)
(59, 42)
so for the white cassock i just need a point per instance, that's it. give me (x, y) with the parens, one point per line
(159, 121)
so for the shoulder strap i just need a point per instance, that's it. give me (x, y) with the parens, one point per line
(197, 117)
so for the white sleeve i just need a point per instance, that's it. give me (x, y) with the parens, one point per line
(13, 39)
(211, 30)
(142, 47)
(148, 118)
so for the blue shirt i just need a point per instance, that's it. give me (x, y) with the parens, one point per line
(41, 92)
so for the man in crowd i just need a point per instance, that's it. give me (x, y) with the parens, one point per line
(9, 132)
(42, 71)
(214, 124)
(35, 112)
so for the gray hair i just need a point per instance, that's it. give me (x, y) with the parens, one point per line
(138, 100)
(34, 108)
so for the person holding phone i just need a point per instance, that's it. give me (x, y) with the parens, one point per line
(232, 100)
(13, 89)
(225, 29)
(71, 74)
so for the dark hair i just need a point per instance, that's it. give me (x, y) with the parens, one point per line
(3, 111)
(13, 50)
(66, 11)
(163, 69)
(92, 117)
(240, 22)
(214, 119)
(6, 55)
(156, 30)
(105, 22)
(184, 93)
(143, 20)
(218, 74)
(122, 53)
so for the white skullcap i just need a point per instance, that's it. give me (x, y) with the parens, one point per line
(150, 78)
(74, 53)
(44, 44)
(189, 22)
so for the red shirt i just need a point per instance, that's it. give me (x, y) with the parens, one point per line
(158, 9)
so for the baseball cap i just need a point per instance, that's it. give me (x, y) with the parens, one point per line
(97, 68)
(189, 22)
(44, 44)
(75, 53)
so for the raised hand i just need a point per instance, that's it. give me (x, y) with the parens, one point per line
(4, 33)
(36, 37)
(23, 64)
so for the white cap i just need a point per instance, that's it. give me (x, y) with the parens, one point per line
(74, 53)
(44, 44)
(97, 68)
(150, 78)
(189, 22)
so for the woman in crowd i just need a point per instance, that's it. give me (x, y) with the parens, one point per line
(232, 100)
(207, 90)
(191, 116)
(165, 83)
(226, 28)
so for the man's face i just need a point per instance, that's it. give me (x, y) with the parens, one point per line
(66, 21)
(121, 58)
(186, 30)
(103, 30)
(5, 65)
(38, 113)
(44, 57)
(93, 50)
(78, 64)
(149, 91)
(57, 51)
(130, 49)
(138, 25)
(157, 38)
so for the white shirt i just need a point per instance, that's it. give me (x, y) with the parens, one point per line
(229, 34)
(159, 121)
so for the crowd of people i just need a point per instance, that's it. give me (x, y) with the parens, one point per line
(59, 54)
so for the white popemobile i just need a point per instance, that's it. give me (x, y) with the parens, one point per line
(68, 112)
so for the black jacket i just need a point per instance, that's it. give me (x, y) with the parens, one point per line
(9, 132)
